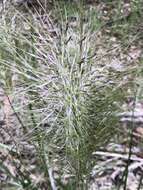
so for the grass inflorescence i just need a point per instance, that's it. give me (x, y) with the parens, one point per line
(65, 100)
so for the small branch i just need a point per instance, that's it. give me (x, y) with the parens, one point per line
(117, 155)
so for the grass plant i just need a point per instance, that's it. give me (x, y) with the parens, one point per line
(70, 102)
